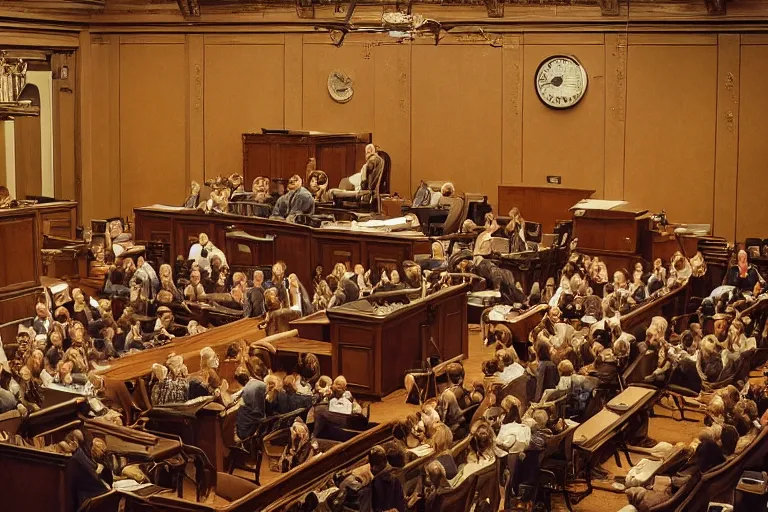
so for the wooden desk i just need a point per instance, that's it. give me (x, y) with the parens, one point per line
(301, 247)
(281, 155)
(315, 326)
(288, 350)
(545, 204)
(374, 351)
(134, 366)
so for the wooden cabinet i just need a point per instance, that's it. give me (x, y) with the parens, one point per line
(374, 351)
(543, 204)
(20, 267)
(281, 155)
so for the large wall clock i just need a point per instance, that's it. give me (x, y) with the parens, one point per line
(340, 86)
(561, 81)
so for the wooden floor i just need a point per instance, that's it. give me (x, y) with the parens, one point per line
(662, 428)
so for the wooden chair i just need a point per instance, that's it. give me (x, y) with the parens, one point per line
(720, 482)
(249, 452)
(643, 366)
(487, 487)
(458, 499)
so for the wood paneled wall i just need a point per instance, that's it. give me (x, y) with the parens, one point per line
(670, 120)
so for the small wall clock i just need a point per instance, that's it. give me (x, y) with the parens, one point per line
(561, 81)
(340, 86)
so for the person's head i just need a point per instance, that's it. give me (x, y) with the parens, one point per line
(61, 314)
(543, 351)
(176, 367)
(98, 448)
(56, 340)
(340, 382)
(447, 190)
(565, 368)
(396, 454)
(202, 239)
(512, 408)
(194, 277)
(208, 358)
(239, 280)
(377, 458)
(278, 271)
(294, 182)
(41, 310)
(159, 372)
(436, 474)
(541, 418)
(482, 437)
(728, 439)
(455, 373)
(490, 367)
(742, 257)
(442, 437)
(370, 149)
(258, 278)
(242, 376)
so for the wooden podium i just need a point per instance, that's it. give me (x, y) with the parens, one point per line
(283, 153)
(620, 235)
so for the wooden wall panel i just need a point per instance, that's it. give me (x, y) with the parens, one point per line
(243, 92)
(320, 112)
(64, 91)
(152, 124)
(670, 130)
(106, 130)
(392, 112)
(727, 149)
(752, 213)
(456, 116)
(512, 85)
(570, 142)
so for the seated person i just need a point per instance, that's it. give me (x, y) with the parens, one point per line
(386, 490)
(298, 298)
(194, 292)
(260, 190)
(172, 386)
(88, 478)
(274, 389)
(252, 408)
(366, 180)
(451, 414)
(43, 322)
(206, 381)
(317, 182)
(509, 367)
(300, 449)
(501, 280)
(341, 400)
(203, 252)
(290, 399)
(253, 305)
(744, 276)
(515, 231)
(547, 376)
(298, 200)
(193, 198)
(435, 481)
(117, 240)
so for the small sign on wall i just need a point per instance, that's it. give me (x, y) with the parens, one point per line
(555, 180)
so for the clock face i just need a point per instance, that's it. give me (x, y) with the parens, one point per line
(561, 81)
(340, 86)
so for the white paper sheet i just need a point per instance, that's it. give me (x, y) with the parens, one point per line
(598, 204)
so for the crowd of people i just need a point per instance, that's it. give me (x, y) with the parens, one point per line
(569, 366)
